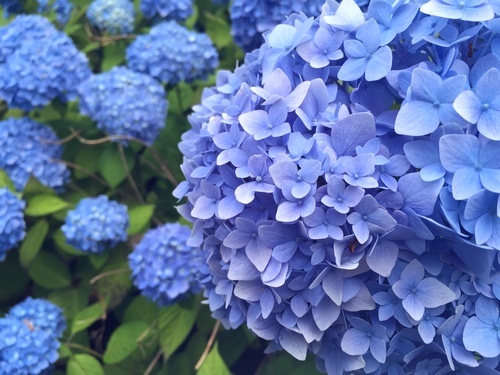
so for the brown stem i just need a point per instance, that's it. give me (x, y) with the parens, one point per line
(130, 179)
(108, 273)
(84, 349)
(84, 170)
(153, 362)
(209, 346)
(105, 40)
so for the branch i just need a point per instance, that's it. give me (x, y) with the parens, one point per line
(209, 346)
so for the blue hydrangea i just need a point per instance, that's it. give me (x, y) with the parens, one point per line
(96, 224)
(28, 148)
(343, 185)
(24, 76)
(164, 267)
(63, 9)
(250, 19)
(41, 315)
(113, 16)
(12, 225)
(23, 28)
(178, 10)
(11, 7)
(25, 350)
(107, 96)
(192, 56)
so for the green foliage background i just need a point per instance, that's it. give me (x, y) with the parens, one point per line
(112, 330)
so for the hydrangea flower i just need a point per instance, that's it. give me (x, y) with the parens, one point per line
(342, 185)
(193, 56)
(25, 349)
(96, 224)
(28, 148)
(164, 267)
(41, 315)
(12, 225)
(249, 20)
(112, 16)
(107, 96)
(62, 9)
(11, 7)
(23, 82)
(178, 10)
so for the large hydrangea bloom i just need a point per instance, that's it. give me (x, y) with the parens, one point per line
(38, 69)
(113, 16)
(164, 267)
(193, 55)
(178, 10)
(28, 148)
(12, 224)
(249, 19)
(96, 224)
(106, 97)
(344, 185)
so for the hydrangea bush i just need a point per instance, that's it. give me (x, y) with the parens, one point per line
(331, 198)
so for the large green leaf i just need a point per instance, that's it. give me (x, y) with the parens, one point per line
(111, 165)
(87, 317)
(5, 181)
(219, 30)
(33, 242)
(213, 364)
(13, 279)
(49, 271)
(123, 341)
(139, 218)
(41, 205)
(141, 309)
(175, 324)
(84, 364)
(72, 300)
(114, 54)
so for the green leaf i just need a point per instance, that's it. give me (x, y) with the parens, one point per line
(111, 165)
(114, 54)
(123, 341)
(61, 244)
(219, 30)
(5, 181)
(139, 218)
(13, 279)
(141, 309)
(33, 242)
(88, 158)
(115, 282)
(49, 271)
(84, 364)
(71, 300)
(213, 364)
(87, 317)
(99, 260)
(41, 205)
(175, 324)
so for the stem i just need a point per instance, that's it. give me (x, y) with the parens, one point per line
(84, 349)
(153, 362)
(84, 170)
(130, 179)
(209, 346)
(146, 332)
(105, 40)
(108, 273)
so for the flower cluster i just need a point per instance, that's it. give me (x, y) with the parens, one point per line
(178, 10)
(96, 224)
(12, 225)
(344, 188)
(29, 148)
(37, 70)
(11, 7)
(29, 337)
(250, 19)
(113, 16)
(192, 56)
(62, 9)
(164, 267)
(124, 102)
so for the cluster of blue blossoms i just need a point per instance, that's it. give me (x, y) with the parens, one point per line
(12, 225)
(124, 102)
(29, 337)
(38, 64)
(96, 224)
(28, 148)
(113, 16)
(192, 56)
(250, 19)
(62, 8)
(164, 268)
(344, 185)
(178, 10)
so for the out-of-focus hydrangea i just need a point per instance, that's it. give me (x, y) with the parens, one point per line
(11, 7)
(178, 10)
(96, 224)
(24, 349)
(63, 9)
(23, 28)
(28, 148)
(124, 102)
(12, 225)
(192, 56)
(344, 187)
(40, 66)
(164, 267)
(250, 19)
(113, 16)
(41, 315)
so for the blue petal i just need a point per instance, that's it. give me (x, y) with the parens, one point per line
(433, 293)
(416, 118)
(379, 64)
(459, 151)
(355, 342)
